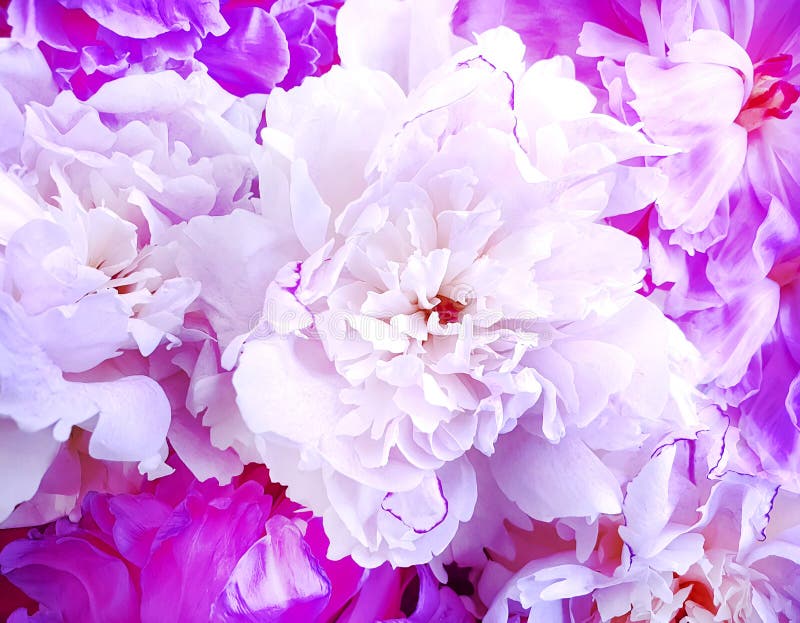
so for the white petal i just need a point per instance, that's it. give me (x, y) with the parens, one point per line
(549, 480)
(283, 387)
(133, 418)
(24, 459)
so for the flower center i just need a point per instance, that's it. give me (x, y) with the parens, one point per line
(700, 595)
(448, 309)
(771, 97)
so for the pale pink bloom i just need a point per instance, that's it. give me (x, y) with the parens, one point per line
(77, 293)
(155, 149)
(719, 81)
(426, 273)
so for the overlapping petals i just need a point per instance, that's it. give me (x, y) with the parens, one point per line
(248, 47)
(401, 311)
(190, 551)
(719, 84)
(699, 542)
(425, 309)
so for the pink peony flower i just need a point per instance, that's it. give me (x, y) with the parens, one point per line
(718, 82)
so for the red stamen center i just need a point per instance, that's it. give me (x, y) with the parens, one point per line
(448, 309)
(700, 594)
(771, 97)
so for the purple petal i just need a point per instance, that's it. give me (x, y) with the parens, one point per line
(297, 26)
(204, 538)
(142, 19)
(138, 519)
(252, 57)
(789, 318)
(767, 420)
(737, 261)
(345, 575)
(435, 603)
(778, 22)
(69, 575)
(695, 189)
(729, 336)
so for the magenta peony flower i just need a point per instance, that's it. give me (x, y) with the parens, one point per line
(195, 552)
(248, 46)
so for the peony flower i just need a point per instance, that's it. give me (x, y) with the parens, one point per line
(428, 278)
(745, 67)
(90, 279)
(690, 549)
(77, 294)
(190, 551)
(154, 149)
(248, 47)
(718, 83)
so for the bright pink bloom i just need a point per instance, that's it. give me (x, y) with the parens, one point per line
(186, 551)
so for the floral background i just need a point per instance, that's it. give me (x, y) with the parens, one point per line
(422, 311)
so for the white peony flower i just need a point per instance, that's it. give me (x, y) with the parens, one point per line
(72, 299)
(155, 149)
(448, 280)
(693, 547)
(89, 272)
(79, 297)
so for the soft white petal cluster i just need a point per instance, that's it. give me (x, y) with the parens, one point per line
(91, 298)
(76, 293)
(429, 283)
